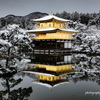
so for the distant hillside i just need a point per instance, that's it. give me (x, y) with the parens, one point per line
(23, 21)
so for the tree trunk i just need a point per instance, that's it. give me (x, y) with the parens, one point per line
(7, 60)
(90, 46)
(8, 88)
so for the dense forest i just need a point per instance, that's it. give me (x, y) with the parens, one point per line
(84, 18)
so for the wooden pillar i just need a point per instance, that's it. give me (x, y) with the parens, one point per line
(49, 51)
(46, 44)
(33, 51)
(56, 44)
(71, 44)
(67, 44)
(39, 51)
(44, 51)
(54, 51)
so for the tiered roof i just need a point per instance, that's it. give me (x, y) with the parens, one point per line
(50, 17)
(51, 30)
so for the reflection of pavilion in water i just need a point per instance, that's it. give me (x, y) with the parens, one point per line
(50, 69)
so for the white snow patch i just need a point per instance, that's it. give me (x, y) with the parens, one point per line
(51, 17)
(50, 86)
(52, 29)
(38, 73)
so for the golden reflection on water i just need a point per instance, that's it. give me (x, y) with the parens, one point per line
(51, 74)
(61, 68)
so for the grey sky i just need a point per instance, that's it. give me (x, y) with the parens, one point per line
(24, 7)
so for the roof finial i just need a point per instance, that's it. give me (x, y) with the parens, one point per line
(51, 13)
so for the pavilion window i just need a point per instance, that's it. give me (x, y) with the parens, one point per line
(49, 25)
(49, 78)
(41, 25)
(37, 35)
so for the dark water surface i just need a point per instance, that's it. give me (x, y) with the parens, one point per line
(82, 82)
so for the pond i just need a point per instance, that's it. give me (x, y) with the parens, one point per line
(54, 77)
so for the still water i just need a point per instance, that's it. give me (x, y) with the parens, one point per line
(60, 77)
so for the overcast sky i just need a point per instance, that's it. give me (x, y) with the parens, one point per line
(24, 7)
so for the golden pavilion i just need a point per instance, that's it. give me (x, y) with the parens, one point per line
(51, 35)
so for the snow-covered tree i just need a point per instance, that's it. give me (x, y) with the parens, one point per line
(88, 39)
(14, 42)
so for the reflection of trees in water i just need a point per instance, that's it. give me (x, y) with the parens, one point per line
(10, 70)
(21, 93)
(88, 77)
(14, 94)
(88, 69)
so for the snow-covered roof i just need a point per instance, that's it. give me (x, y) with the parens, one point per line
(51, 30)
(48, 85)
(49, 17)
(38, 73)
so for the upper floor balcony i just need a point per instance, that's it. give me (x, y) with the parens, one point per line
(50, 25)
